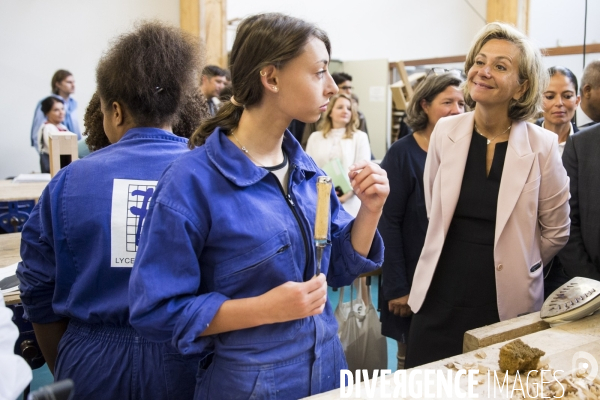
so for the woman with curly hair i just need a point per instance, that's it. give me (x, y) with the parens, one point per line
(81, 240)
(191, 115)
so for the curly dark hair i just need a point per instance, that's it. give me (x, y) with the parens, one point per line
(150, 71)
(93, 124)
(191, 114)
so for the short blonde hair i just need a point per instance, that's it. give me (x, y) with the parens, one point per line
(531, 69)
(326, 124)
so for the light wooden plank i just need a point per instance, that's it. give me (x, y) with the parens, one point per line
(17, 191)
(189, 16)
(502, 331)
(213, 30)
(549, 52)
(515, 12)
(10, 245)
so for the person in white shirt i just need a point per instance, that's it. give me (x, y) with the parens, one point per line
(340, 138)
(15, 374)
(560, 100)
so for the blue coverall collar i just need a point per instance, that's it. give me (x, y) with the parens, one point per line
(240, 170)
(148, 132)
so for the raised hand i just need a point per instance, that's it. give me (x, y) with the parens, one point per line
(370, 183)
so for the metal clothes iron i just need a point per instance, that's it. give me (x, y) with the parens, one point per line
(574, 300)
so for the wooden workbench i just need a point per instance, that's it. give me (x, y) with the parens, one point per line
(560, 343)
(11, 191)
(10, 244)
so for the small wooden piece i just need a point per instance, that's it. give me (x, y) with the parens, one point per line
(10, 245)
(402, 91)
(63, 150)
(502, 331)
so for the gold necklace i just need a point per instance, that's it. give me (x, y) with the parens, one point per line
(245, 150)
(490, 140)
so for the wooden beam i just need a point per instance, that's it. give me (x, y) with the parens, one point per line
(502, 331)
(548, 52)
(213, 30)
(207, 20)
(570, 50)
(189, 16)
(515, 12)
(438, 60)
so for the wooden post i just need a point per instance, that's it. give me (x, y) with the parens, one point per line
(514, 12)
(63, 150)
(207, 20)
(189, 16)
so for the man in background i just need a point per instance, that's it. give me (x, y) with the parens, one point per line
(588, 113)
(213, 81)
(581, 255)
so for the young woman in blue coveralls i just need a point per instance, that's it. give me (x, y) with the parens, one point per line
(80, 241)
(227, 259)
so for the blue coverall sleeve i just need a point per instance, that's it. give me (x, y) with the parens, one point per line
(345, 263)
(164, 287)
(37, 271)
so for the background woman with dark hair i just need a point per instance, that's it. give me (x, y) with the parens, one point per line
(497, 199)
(560, 100)
(53, 109)
(80, 241)
(403, 223)
(243, 208)
(63, 86)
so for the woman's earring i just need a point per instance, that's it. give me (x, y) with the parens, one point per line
(275, 88)
(263, 73)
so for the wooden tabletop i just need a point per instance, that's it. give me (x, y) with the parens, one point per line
(10, 244)
(562, 345)
(11, 191)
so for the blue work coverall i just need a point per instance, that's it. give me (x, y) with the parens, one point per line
(222, 228)
(78, 247)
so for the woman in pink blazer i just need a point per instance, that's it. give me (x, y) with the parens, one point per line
(497, 200)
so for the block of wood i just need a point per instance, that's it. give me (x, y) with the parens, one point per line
(503, 331)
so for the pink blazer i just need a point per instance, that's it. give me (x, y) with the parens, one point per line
(532, 220)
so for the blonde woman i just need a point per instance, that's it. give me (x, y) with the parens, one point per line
(340, 138)
(497, 198)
